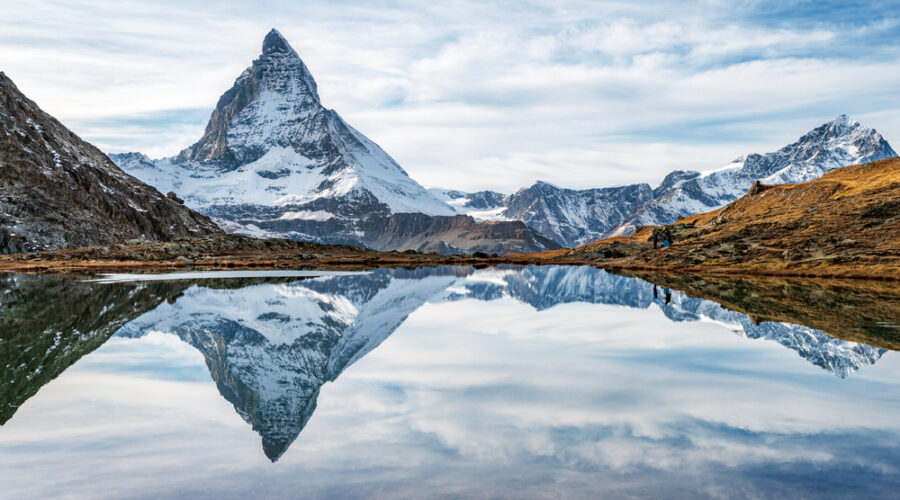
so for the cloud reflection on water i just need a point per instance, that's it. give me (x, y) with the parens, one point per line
(468, 397)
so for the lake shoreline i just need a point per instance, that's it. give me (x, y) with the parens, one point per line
(44, 264)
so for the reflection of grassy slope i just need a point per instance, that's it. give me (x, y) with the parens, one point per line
(845, 223)
(48, 323)
(849, 310)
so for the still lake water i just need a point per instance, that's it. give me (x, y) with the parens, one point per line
(446, 382)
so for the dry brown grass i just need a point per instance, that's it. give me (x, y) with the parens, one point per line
(846, 223)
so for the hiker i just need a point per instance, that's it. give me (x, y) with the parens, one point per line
(655, 240)
(666, 243)
(655, 294)
(668, 295)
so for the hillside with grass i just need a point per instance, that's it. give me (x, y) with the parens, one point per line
(846, 223)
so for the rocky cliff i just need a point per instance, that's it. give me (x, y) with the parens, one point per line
(57, 190)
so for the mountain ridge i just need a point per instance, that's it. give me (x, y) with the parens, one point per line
(845, 223)
(574, 217)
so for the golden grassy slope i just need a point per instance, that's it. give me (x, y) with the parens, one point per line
(847, 223)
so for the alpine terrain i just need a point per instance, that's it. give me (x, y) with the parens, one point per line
(274, 162)
(575, 217)
(58, 191)
(845, 223)
(839, 143)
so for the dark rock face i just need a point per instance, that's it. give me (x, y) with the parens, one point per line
(574, 217)
(58, 191)
(174, 197)
(10, 243)
(456, 234)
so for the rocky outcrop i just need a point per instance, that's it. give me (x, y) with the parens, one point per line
(457, 234)
(57, 190)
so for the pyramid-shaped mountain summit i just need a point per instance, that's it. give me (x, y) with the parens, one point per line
(270, 142)
(273, 161)
(273, 103)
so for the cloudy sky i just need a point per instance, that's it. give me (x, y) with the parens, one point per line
(476, 95)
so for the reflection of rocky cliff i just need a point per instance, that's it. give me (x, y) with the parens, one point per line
(49, 323)
(271, 347)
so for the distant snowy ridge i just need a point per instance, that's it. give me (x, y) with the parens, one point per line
(574, 217)
(835, 144)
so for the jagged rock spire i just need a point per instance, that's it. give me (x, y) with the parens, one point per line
(237, 128)
(276, 43)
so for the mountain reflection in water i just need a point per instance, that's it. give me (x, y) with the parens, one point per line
(271, 343)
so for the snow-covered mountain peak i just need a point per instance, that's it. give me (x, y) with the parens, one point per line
(840, 142)
(273, 103)
(843, 121)
(272, 153)
(841, 133)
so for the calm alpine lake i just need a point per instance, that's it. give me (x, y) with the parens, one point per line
(522, 382)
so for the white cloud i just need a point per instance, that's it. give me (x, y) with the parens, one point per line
(474, 95)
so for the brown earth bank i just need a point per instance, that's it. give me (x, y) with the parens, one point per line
(233, 252)
(855, 310)
(844, 224)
